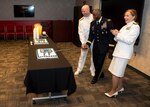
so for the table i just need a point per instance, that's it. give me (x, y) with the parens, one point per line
(48, 75)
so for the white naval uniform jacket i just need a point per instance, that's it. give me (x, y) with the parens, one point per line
(84, 28)
(126, 39)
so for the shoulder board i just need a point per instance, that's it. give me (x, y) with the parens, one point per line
(135, 23)
(108, 20)
(81, 18)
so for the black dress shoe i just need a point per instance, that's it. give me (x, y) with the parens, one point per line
(93, 81)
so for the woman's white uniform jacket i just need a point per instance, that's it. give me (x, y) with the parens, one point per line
(126, 39)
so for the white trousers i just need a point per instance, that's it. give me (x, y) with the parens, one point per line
(82, 60)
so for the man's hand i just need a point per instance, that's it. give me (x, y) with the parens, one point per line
(84, 46)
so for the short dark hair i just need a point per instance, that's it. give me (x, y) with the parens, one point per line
(97, 12)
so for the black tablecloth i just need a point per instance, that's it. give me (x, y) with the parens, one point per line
(48, 75)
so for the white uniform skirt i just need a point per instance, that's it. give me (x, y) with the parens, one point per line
(117, 66)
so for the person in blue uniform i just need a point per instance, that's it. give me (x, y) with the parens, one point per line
(125, 38)
(101, 36)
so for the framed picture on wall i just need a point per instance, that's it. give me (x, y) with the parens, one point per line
(24, 10)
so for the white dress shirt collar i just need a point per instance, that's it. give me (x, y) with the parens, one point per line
(100, 19)
(130, 23)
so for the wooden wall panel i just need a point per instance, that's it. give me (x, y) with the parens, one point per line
(62, 31)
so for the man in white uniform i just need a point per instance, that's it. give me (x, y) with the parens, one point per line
(83, 31)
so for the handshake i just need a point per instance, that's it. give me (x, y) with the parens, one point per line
(84, 46)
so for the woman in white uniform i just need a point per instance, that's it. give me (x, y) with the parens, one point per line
(123, 51)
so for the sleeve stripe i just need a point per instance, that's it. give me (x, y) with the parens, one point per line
(111, 45)
(89, 42)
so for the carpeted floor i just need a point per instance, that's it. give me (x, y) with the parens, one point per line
(13, 67)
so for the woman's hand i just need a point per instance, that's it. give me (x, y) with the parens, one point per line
(115, 32)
